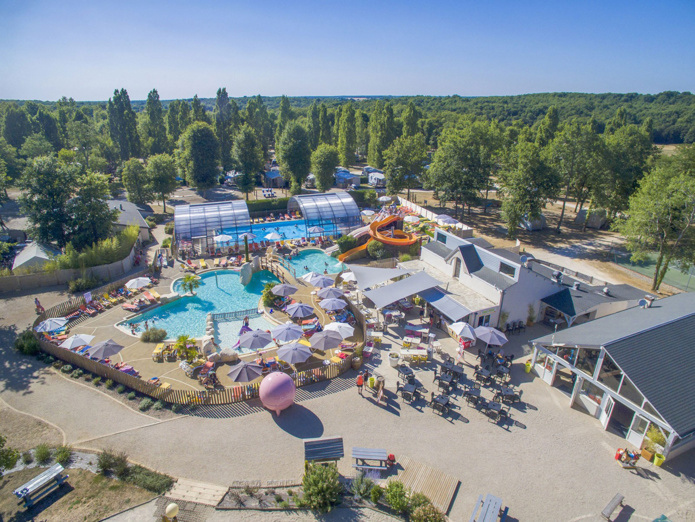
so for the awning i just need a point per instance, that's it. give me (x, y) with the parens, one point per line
(415, 284)
(368, 276)
(273, 174)
(445, 304)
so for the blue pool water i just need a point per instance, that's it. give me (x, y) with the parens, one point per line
(186, 316)
(315, 261)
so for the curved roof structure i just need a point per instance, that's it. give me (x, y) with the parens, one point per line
(206, 219)
(332, 211)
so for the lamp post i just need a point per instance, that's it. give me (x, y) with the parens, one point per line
(170, 513)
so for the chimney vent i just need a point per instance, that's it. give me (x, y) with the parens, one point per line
(606, 291)
(650, 299)
(576, 285)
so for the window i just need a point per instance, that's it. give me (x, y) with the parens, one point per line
(441, 238)
(484, 320)
(592, 392)
(586, 360)
(610, 374)
(507, 270)
(567, 354)
(630, 392)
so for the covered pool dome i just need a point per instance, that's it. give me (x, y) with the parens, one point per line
(277, 391)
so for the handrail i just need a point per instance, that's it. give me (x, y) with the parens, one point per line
(225, 316)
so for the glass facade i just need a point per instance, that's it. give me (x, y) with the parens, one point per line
(199, 223)
(335, 212)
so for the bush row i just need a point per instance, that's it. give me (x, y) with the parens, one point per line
(109, 462)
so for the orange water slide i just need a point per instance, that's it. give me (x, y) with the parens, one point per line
(399, 238)
(343, 257)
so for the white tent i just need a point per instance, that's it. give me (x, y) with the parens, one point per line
(368, 276)
(34, 255)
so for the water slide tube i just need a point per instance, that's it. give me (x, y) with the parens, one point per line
(399, 238)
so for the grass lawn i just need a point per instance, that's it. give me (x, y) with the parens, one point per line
(673, 277)
(24, 432)
(85, 497)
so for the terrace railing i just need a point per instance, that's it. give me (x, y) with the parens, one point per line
(238, 314)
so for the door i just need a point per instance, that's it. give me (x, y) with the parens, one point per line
(637, 430)
(605, 415)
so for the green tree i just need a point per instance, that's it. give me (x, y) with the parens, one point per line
(173, 123)
(382, 132)
(362, 133)
(123, 125)
(347, 140)
(294, 155)
(8, 456)
(81, 136)
(528, 184)
(14, 163)
(314, 125)
(190, 283)
(185, 116)
(548, 127)
(248, 159)
(404, 163)
(91, 216)
(324, 125)
(154, 134)
(198, 156)
(46, 124)
(47, 186)
(161, 174)
(198, 112)
(222, 117)
(16, 126)
(324, 160)
(136, 181)
(36, 145)
(321, 486)
(410, 117)
(661, 216)
(396, 495)
(284, 116)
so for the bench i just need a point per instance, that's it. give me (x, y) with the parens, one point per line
(489, 510)
(38, 486)
(363, 454)
(612, 506)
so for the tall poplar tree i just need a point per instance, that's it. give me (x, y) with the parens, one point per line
(294, 155)
(154, 134)
(324, 125)
(347, 141)
(314, 125)
(410, 118)
(123, 125)
(198, 155)
(222, 117)
(248, 159)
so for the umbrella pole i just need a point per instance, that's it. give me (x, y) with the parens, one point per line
(217, 283)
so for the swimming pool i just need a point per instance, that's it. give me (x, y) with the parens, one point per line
(294, 229)
(220, 291)
(315, 261)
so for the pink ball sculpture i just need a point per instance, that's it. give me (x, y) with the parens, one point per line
(277, 391)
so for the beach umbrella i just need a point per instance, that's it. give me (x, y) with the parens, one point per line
(298, 310)
(51, 324)
(273, 236)
(248, 235)
(309, 276)
(76, 341)
(245, 372)
(490, 335)
(138, 282)
(294, 353)
(344, 329)
(326, 340)
(104, 349)
(367, 212)
(223, 238)
(332, 304)
(287, 332)
(385, 199)
(330, 292)
(284, 289)
(322, 281)
(411, 219)
(314, 230)
(446, 219)
(463, 330)
(348, 276)
(255, 340)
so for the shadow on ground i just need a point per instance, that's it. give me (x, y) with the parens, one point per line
(299, 422)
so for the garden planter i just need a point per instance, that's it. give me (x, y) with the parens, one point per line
(647, 454)
(394, 359)
(356, 363)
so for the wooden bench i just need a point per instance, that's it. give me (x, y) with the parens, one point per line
(616, 501)
(489, 510)
(41, 485)
(364, 454)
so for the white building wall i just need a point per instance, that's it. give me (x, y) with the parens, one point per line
(529, 290)
(437, 262)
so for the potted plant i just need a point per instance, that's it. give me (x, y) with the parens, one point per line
(653, 443)
(394, 359)
(648, 449)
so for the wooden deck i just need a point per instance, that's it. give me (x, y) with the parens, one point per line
(198, 492)
(436, 485)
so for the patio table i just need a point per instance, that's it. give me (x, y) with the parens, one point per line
(440, 403)
(411, 340)
(450, 367)
(404, 372)
(409, 389)
(446, 380)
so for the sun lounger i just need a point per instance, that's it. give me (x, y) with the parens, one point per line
(223, 262)
(130, 307)
(216, 262)
(74, 315)
(89, 311)
(155, 295)
(158, 353)
(203, 264)
(191, 264)
(147, 295)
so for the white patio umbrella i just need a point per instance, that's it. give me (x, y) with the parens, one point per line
(245, 372)
(298, 310)
(105, 349)
(255, 340)
(309, 276)
(446, 220)
(52, 324)
(330, 292)
(287, 332)
(138, 282)
(332, 304)
(411, 219)
(344, 329)
(463, 330)
(348, 276)
(294, 353)
(273, 236)
(315, 230)
(326, 340)
(248, 235)
(76, 341)
(322, 281)
(368, 212)
(223, 238)
(283, 289)
(385, 199)
(490, 335)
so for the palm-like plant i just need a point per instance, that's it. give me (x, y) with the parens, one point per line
(190, 283)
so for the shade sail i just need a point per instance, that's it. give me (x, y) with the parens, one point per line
(412, 285)
(445, 304)
(368, 276)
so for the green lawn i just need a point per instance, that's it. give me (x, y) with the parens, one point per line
(674, 277)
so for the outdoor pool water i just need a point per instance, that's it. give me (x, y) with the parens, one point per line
(315, 261)
(187, 316)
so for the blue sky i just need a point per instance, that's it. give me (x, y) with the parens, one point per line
(489, 47)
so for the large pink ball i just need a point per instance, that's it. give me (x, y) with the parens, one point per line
(277, 391)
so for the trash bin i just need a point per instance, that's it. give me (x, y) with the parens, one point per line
(527, 367)
(659, 459)
(371, 382)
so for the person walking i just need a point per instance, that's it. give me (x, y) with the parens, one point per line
(360, 383)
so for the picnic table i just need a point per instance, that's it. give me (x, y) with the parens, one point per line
(38, 486)
(362, 455)
(412, 351)
(409, 390)
(440, 403)
(451, 368)
(507, 393)
(490, 510)
(445, 380)
(405, 372)
(411, 340)
(503, 371)
(472, 394)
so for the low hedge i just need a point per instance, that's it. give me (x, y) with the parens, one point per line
(264, 205)
(27, 343)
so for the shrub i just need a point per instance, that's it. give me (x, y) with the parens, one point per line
(396, 496)
(8, 456)
(49, 359)
(83, 283)
(58, 365)
(361, 486)
(268, 295)
(150, 480)
(88, 376)
(321, 486)
(250, 490)
(151, 222)
(120, 388)
(376, 493)
(427, 513)
(27, 343)
(417, 500)
(42, 454)
(145, 404)
(166, 243)
(158, 405)
(27, 458)
(404, 257)
(153, 335)
(377, 250)
(236, 498)
(261, 205)
(278, 498)
(175, 408)
(284, 505)
(169, 228)
(120, 465)
(96, 381)
(104, 252)
(131, 396)
(67, 368)
(346, 243)
(76, 374)
(108, 383)
(414, 249)
(63, 454)
(105, 461)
